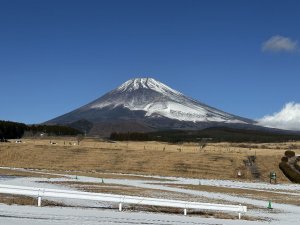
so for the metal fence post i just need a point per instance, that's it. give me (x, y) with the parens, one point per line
(39, 201)
(240, 213)
(185, 212)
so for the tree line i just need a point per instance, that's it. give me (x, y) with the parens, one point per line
(11, 130)
(219, 134)
(54, 130)
(14, 130)
(130, 136)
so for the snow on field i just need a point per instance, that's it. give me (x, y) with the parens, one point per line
(282, 213)
(20, 215)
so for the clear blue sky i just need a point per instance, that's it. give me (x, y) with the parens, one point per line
(57, 55)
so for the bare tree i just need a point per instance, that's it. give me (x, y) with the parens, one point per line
(202, 144)
(79, 138)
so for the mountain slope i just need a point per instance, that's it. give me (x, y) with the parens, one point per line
(151, 104)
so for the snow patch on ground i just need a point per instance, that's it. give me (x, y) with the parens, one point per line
(282, 213)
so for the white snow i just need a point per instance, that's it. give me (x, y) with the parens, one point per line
(20, 215)
(163, 101)
(282, 213)
(148, 83)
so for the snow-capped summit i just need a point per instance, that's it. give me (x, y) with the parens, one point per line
(158, 100)
(147, 83)
(152, 104)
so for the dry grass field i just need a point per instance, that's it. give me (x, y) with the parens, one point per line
(92, 156)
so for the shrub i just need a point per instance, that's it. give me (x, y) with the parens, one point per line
(297, 164)
(252, 158)
(284, 159)
(289, 153)
(291, 174)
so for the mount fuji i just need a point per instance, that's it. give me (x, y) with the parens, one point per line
(145, 104)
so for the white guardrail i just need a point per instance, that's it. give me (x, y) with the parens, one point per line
(120, 199)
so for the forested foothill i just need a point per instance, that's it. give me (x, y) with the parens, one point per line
(14, 130)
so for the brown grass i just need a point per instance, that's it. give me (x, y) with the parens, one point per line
(25, 200)
(11, 172)
(97, 174)
(206, 214)
(218, 161)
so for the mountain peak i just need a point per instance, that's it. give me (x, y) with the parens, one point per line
(136, 83)
(146, 99)
(146, 83)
